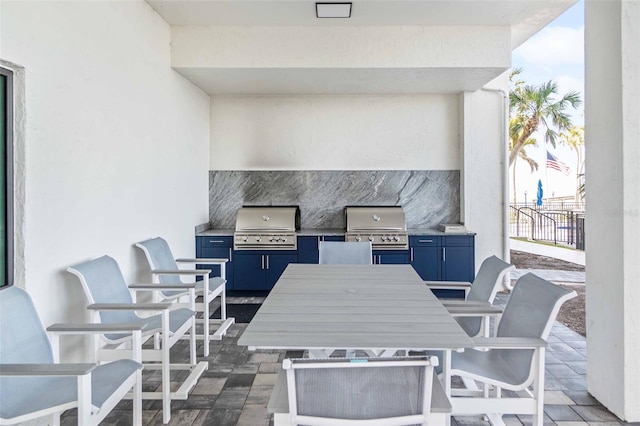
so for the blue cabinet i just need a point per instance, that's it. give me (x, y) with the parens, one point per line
(424, 254)
(260, 269)
(217, 247)
(390, 257)
(435, 258)
(444, 258)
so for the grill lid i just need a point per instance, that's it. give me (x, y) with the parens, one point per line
(256, 219)
(376, 219)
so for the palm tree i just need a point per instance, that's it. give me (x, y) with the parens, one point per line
(574, 137)
(536, 106)
(515, 128)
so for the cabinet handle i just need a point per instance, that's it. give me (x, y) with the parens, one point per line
(230, 255)
(216, 241)
(425, 241)
(262, 261)
(411, 254)
(444, 254)
(267, 261)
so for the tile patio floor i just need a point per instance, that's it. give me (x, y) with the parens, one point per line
(236, 388)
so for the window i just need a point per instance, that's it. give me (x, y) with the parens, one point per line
(6, 177)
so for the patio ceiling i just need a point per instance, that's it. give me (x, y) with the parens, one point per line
(523, 17)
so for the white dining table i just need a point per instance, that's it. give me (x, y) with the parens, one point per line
(375, 308)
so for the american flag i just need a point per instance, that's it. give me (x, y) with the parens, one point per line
(554, 163)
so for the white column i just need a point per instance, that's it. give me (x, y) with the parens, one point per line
(484, 181)
(612, 131)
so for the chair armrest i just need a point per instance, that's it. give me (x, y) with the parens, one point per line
(180, 271)
(448, 285)
(203, 261)
(97, 328)
(509, 342)
(129, 306)
(172, 286)
(473, 311)
(46, 369)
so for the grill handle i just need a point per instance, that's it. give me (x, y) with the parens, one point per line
(378, 229)
(265, 229)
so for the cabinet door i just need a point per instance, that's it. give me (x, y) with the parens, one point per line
(456, 263)
(391, 257)
(426, 262)
(275, 266)
(308, 249)
(218, 253)
(216, 247)
(248, 271)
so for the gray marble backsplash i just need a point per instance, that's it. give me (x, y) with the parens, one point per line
(429, 197)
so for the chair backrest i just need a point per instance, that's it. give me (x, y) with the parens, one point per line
(484, 289)
(360, 389)
(22, 336)
(530, 312)
(159, 256)
(345, 253)
(487, 281)
(103, 282)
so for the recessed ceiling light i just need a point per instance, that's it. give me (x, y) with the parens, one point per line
(333, 10)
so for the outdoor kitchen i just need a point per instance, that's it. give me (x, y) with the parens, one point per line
(264, 220)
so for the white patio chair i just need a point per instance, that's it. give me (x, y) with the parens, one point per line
(111, 299)
(345, 253)
(164, 269)
(340, 391)
(34, 385)
(479, 296)
(514, 359)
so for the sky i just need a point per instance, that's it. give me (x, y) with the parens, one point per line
(555, 53)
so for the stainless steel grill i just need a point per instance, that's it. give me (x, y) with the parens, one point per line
(266, 227)
(385, 227)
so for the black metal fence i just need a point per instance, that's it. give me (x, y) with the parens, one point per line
(558, 223)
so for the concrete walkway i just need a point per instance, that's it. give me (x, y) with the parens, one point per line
(566, 254)
(552, 275)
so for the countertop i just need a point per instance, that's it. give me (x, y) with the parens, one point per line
(336, 231)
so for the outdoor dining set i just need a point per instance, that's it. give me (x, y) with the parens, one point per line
(379, 347)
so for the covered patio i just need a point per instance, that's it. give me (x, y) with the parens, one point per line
(123, 109)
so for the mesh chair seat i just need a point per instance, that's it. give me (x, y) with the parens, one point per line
(494, 364)
(153, 324)
(214, 284)
(17, 396)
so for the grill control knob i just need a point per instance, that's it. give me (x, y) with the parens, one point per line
(271, 239)
(257, 238)
(245, 238)
(396, 238)
(284, 239)
(371, 239)
(358, 238)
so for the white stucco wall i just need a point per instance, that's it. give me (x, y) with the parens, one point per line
(116, 143)
(482, 171)
(334, 132)
(612, 136)
(341, 47)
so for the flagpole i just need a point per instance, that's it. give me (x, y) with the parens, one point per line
(546, 170)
